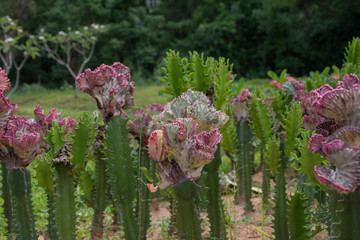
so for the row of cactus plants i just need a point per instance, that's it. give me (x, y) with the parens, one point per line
(184, 139)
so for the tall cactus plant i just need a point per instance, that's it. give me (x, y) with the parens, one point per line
(20, 144)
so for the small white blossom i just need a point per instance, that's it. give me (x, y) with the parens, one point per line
(102, 26)
(86, 28)
(61, 33)
(93, 38)
(42, 38)
(9, 40)
(77, 32)
(20, 30)
(8, 18)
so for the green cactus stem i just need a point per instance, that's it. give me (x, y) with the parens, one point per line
(51, 226)
(7, 198)
(65, 201)
(121, 174)
(100, 194)
(244, 161)
(280, 214)
(20, 186)
(350, 220)
(215, 207)
(187, 217)
(144, 195)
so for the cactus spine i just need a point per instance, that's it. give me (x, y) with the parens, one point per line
(65, 201)
(187, 219)
(20, 186)
(144, 196)
(100, 193)
(244, 161)
(121, 174)
(7, 198)
(215, 208)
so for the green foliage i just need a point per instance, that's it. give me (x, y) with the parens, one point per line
(281, 78)
(316, 78)
(121, 173)
(222, 83)
(44, 173)
(273, 155)
(308, 160)
(261, 123)
(82, 140)
(298, 224)
(352, 58)
(200, 72)
(175, 73)
(292, 127)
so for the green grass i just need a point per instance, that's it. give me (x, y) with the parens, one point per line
(65, 102)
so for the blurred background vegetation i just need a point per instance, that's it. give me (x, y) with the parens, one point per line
(257, 35)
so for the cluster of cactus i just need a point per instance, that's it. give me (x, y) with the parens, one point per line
(185, 139)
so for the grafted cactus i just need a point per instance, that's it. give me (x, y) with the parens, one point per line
(189, 151)
(111, 88)
(241, 116)
(195, 105)
(19, 145)
(186, 142)
(337, 139)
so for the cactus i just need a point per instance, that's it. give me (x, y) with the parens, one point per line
(244, 165)
(187, 217)
(20, 186)
(65, 215)
(280, 214)
(144, 196)
(7, 199)
(121, 174)
(215, 208)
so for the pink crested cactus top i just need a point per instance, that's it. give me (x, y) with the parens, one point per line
(240, 105)
(46, 122)
(7, 109)
(141, 124)
(187, 138)
(189, 151)
(195, 105)
(19, 143)
(4, 81)
(337, 137)
(111, 88)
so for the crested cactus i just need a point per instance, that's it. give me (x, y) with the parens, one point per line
(111, 88)
(241, 114)
(337, 140)
(20, 144)
(187, 141)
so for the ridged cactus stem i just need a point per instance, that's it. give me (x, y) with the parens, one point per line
(121, 174)
(244, 164)
(350, 220)
(144, 195)
(51, 226)
(65, 201)
(20, 186)
(215, 207)
(100, 194)
(280, 215)
(187, 217)
(7, 198)
(265, 182)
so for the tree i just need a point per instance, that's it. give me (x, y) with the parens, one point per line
(72, 49)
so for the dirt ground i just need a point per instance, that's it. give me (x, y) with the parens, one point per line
(252, 225)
